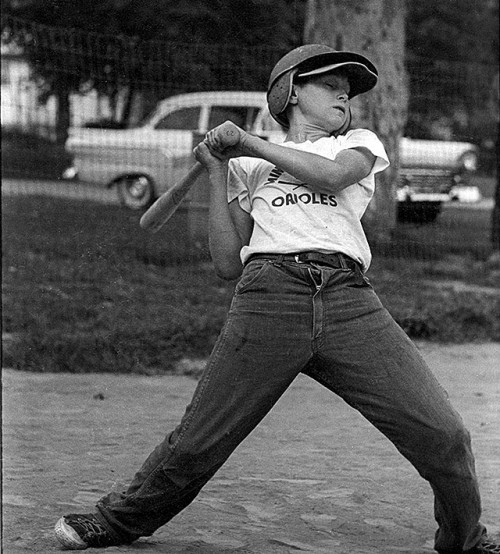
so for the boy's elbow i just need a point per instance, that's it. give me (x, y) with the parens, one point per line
(228, 272)
(228, 275)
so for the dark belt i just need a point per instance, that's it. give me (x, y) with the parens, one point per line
(337, 260)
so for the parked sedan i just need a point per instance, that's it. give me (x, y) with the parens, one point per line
(143, 162)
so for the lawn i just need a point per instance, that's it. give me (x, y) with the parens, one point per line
(85, 289)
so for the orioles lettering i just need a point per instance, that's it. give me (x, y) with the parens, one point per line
(305, 198)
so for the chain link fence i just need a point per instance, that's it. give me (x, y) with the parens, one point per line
(86, 289)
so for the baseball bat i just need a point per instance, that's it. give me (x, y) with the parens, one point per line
(166, 205)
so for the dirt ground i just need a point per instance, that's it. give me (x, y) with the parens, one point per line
(313, 477)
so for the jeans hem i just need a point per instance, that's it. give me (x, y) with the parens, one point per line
(122, 536)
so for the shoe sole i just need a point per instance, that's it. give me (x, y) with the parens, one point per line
(68, 537)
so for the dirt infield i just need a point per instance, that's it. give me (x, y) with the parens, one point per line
(313, 477)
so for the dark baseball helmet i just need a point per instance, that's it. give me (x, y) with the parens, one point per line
(312, 59)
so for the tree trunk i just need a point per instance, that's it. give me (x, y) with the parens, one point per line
(495, 216)
(375, 28)
(63, 118)
(127, 106)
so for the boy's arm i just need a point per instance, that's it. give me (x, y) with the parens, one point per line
(320, 173)
(230, 227)
(323, 174)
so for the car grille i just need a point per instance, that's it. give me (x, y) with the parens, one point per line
(426, 180)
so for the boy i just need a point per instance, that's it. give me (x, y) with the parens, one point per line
(286, 220)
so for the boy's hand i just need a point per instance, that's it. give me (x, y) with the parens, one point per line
(226, 140)
(207, 158)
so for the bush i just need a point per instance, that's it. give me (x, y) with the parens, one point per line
(31, 156)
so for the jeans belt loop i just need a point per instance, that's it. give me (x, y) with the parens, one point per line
(342, 261)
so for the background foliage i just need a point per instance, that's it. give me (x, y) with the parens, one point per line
(182, 41)
(85, 290)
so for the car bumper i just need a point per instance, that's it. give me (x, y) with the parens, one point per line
(408, 196)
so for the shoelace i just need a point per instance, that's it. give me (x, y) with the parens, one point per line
(489, 548)
(89, 529)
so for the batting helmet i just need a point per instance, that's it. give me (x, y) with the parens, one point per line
(312, 59)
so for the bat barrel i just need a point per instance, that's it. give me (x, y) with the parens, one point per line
(166, 205)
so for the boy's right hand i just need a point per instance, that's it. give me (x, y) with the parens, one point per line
(226, 140)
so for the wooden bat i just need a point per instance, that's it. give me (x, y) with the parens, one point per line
(166, 205)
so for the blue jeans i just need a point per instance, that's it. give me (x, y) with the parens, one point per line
(286, 318)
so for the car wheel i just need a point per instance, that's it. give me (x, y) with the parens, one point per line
(135, 192)
(418, 212)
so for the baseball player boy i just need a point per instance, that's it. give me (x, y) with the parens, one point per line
(286, 220)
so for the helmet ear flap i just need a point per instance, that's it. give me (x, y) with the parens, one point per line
(279, 96)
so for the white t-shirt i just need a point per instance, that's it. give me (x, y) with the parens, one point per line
(289, 217)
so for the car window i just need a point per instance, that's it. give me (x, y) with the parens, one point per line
(186, 119)
(251, 117)
(236, 114)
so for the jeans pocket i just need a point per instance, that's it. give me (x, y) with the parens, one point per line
(359, 280)
(252, 273)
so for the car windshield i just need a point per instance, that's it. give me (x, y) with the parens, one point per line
(181, 119)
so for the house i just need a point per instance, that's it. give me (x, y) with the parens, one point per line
(21, 107)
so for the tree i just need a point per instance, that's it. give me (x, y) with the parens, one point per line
(375, 28)
(147, 47)
(53, 57)
(456, 30)
(451, 48)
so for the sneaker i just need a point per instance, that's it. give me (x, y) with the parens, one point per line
(486, 547)
(79, 531)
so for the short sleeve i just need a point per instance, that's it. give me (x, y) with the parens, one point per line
(237, 184)
(368, 139)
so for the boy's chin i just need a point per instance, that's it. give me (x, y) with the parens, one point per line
(332, 126)
(337, 129)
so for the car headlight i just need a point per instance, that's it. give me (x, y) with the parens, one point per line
(468, 161)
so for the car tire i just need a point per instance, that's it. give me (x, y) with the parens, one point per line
(135, 192)
(418, 212)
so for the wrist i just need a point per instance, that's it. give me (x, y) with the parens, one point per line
(249, 144)
(217, 167)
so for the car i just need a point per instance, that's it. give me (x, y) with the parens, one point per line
(143, 162)
(431, 173)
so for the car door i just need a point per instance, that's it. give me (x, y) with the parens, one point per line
(243, 116)
(174, 131)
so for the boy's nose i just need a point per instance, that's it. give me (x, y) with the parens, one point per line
(343, 96)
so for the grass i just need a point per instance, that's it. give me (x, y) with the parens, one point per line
(86, 290)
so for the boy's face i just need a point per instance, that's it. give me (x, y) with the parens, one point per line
(323, 100)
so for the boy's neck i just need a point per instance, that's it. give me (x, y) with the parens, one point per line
(305, 132)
